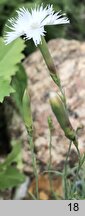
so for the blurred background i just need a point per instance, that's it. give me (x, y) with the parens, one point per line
(75, 10)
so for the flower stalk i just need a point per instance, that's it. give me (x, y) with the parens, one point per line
(27, 117)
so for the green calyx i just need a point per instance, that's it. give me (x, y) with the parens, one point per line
(61, 114)
(49, 61)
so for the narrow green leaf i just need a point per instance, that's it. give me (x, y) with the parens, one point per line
(19, 84)
(27, 115)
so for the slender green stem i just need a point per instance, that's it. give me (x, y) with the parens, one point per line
(27, 117)
(34, 161)
(65, 173)
(51, 127)
(50, 161)
(50, 145)
(77, 173)
(32, 195)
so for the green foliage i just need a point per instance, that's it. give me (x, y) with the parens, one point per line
(3, 2)
(9, 175)
(10, 56)
(5, 88)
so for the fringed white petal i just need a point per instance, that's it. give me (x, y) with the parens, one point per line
(55, 19)
(11, 36)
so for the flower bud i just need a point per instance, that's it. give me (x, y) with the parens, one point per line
(61, 114)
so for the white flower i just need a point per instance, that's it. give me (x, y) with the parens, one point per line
(31, 24)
